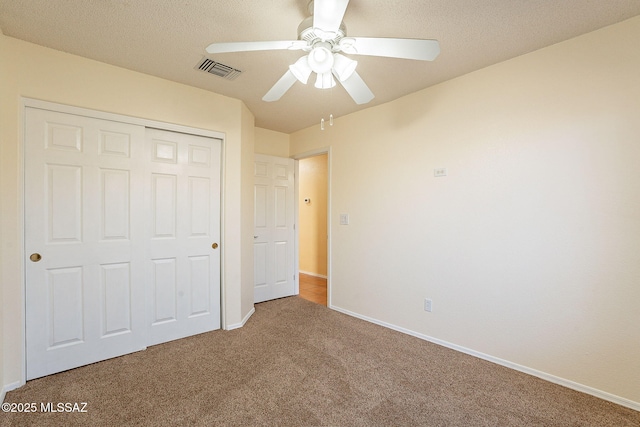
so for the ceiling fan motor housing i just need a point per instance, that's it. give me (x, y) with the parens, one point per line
(308, 33)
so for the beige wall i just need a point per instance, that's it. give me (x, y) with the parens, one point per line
(312, 183)
(530, 246)
(271, 143)
(32, 71)
(247, 211)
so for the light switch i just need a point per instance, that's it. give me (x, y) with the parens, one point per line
(440, 172)
(344, 219)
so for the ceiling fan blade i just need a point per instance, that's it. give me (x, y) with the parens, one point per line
(424, 50)
(252, 46)
(328, 14)
(357, 89)
(281, 87)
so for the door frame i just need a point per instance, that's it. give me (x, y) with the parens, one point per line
(87, 112)
(297, 157)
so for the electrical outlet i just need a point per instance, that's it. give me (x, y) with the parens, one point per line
(428, 305)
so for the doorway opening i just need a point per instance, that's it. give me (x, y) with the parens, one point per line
(313, 230)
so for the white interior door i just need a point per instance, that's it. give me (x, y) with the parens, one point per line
(84, 237)
(183, 223)
(274, 242)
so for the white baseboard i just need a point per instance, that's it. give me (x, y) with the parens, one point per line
(543, 375)
(7, 388)
(244, 320)
(312, 274)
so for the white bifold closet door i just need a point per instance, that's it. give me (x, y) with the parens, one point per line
(98, 213)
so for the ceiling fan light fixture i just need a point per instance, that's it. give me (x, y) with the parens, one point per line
(325, 81)
(320, 58)
(343, 66)
(301, 70)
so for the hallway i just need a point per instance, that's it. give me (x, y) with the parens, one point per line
(313, 289)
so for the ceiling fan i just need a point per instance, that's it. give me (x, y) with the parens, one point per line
(324, 36)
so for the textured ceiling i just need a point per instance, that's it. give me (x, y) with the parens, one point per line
(167, 38)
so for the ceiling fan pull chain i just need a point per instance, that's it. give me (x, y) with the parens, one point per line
(330, 119)
(322, 123)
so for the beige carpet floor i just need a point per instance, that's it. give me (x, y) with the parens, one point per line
(296, 363)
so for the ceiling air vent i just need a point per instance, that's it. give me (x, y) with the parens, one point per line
(217, 69)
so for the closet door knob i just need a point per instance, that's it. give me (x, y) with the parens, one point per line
(35, 257)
